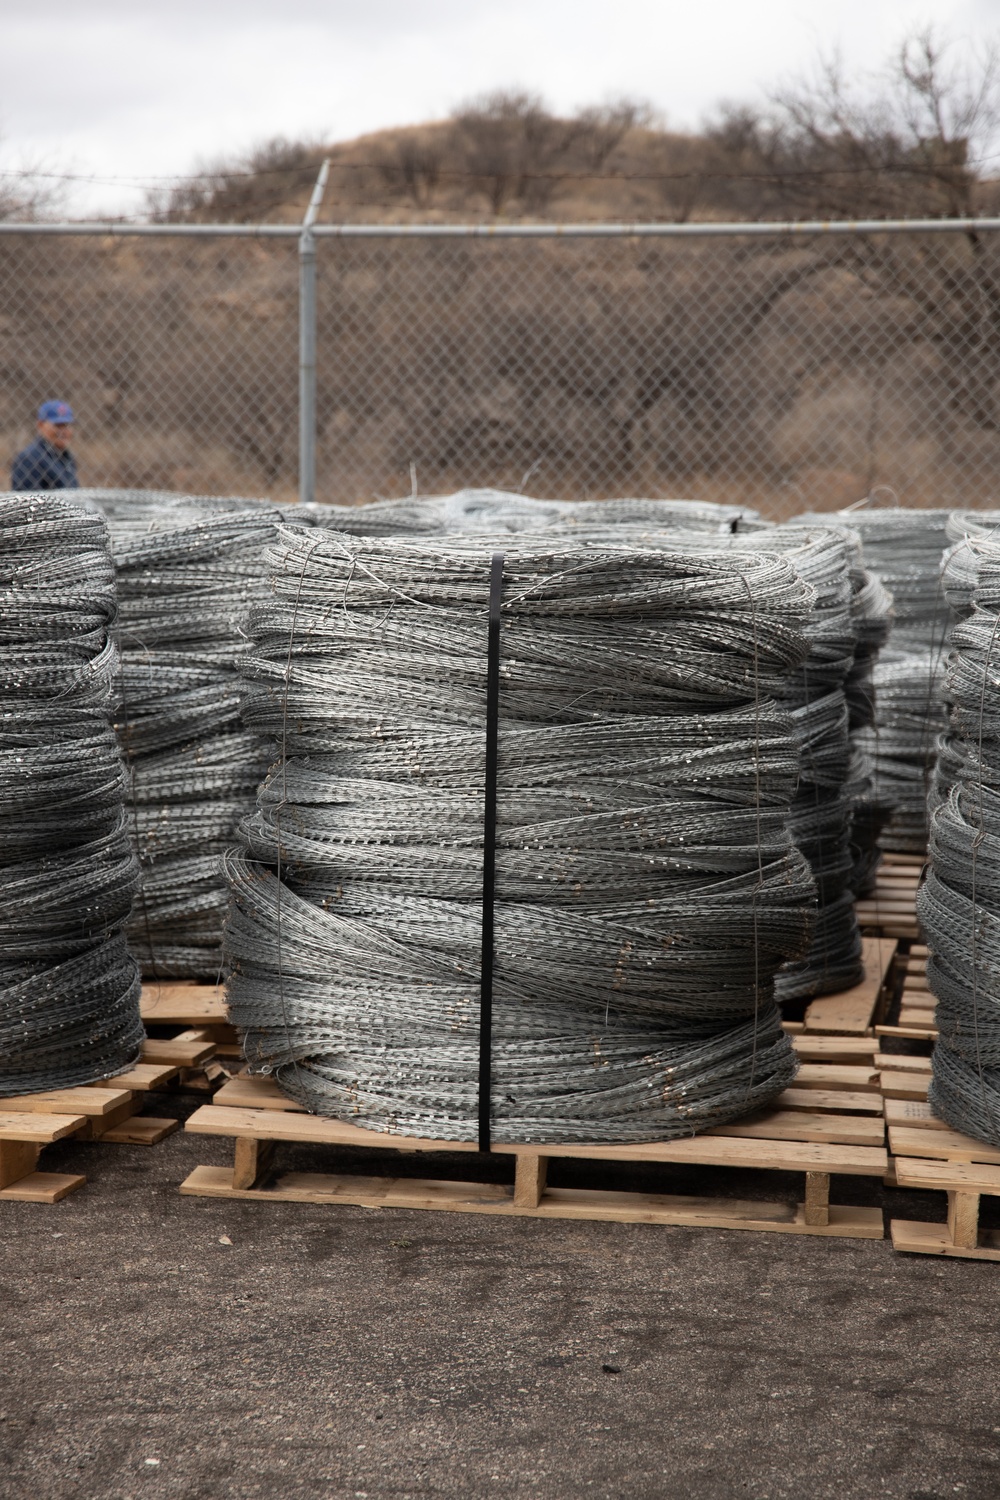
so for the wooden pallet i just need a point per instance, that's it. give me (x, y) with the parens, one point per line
(891, 909)
(107, 1111)
(853, 1012)
(819, 1127)
(929, 1154)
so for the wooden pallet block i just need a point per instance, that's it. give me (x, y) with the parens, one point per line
(853, 1011)
(852, 1050)
(929, 1154)
(88, 1112)
(144, 1077)
(202, 1006)
(188, 1050)
(184, 1004)
(797, 1136)
(22, 1136)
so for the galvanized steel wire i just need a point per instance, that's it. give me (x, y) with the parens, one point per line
(959, 903)
(187, 571)
(647, 889)
(69, 988)
(904, 548)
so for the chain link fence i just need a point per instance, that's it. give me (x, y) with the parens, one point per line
(783, 370)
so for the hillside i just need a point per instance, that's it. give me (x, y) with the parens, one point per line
(507, 158)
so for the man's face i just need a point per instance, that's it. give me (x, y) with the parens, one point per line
(57, 433)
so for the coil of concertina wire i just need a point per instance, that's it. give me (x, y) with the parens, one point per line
(187, 571)
(959, 904)
(647, 888)
(69, 989)
(841, 623)
(904, 548)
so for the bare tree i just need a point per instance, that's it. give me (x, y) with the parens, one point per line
(243, 188)
(412, 163)
(514, 148)
(29, 190)
(603, 127)
(829, 148)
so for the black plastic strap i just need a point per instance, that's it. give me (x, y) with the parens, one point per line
(489, 854)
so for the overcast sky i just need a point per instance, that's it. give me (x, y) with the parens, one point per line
(128, 90)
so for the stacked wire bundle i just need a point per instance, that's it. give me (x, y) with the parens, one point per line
(871, 614)
(823, 807)
(187, 575)
(959, 903)
(69, 989)
(904, 548)
(647, 889)
(959, 580)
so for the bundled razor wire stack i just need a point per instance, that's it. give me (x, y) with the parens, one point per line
(187, 573)
(904, 548)
(959, 578)
(814, 692)
(647, 888)
(959, 903)
(823, 807)
(871, 612)
(69, 989)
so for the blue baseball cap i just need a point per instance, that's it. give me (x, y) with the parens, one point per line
(59, 412)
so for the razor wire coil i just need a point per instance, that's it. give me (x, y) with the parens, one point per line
(647, 888)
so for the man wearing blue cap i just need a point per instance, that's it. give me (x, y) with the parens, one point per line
(47, 463)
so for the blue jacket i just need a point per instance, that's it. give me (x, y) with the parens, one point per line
(42, 467)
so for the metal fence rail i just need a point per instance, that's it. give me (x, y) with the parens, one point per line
(784, 365)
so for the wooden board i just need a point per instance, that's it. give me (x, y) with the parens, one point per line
(556, 1203)
(948, 1176)
(914, 1113)
(183, 1004)
(176, 1052)
(143, 1077)
(834, 1049)
(837, 1076)
(912, 1237)
(710, 1149)
(141, 1130)
(841, 1100)
(38, 1127)
(87, 1099)
(852, 1012)
(42, 1187)
(915, 1140)
(904, 1085)
(902, 1062)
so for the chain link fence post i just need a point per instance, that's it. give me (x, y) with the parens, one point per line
(307, 341)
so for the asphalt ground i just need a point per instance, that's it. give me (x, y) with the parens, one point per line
(167, 1348)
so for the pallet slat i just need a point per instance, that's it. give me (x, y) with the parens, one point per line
(557, 1203)
(705, 1150)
